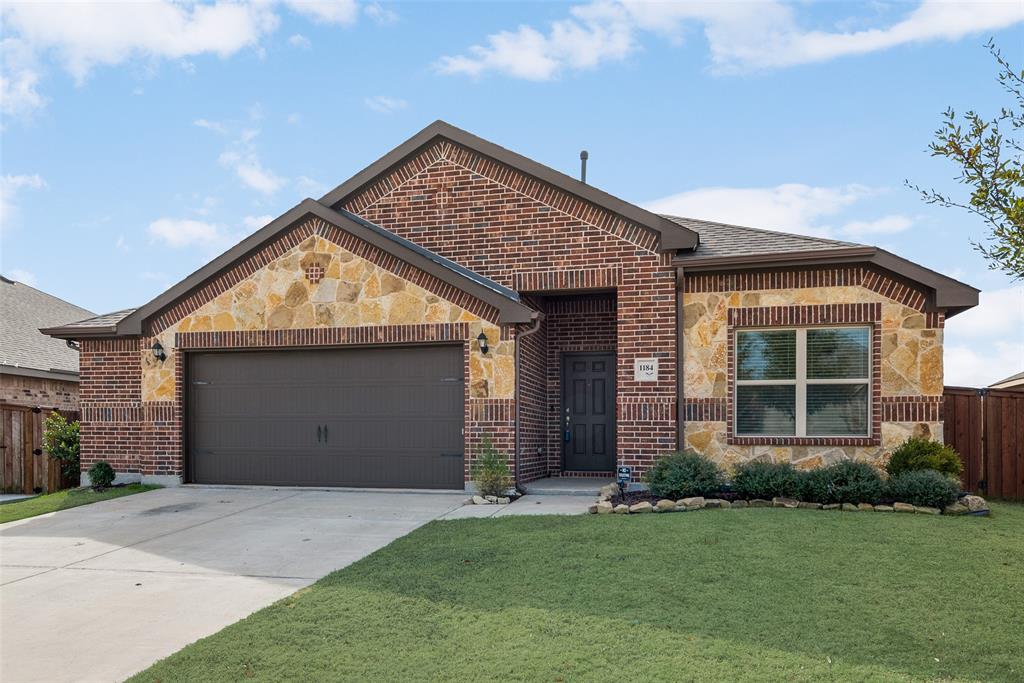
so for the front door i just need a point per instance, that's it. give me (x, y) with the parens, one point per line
(588, 412)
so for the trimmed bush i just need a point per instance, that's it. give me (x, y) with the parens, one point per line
(759, 479)
(490, 470)
(917, 454)
(843, 482)
(923, 488)
(101, 475)
(681, 475)
(60, 439)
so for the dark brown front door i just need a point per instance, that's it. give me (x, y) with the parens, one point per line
(588, 412)
(377, 417)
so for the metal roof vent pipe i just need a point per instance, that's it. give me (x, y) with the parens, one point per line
(583, 165)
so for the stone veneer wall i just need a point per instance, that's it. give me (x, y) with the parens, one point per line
(38, 391)
(908, 358)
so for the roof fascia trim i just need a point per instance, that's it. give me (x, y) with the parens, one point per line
(673, 236)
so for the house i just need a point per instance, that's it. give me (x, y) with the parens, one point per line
(454, 291)
(36, 370)
(1011, 383)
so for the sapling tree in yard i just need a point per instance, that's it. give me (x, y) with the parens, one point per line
(60, 439)
(989, 155)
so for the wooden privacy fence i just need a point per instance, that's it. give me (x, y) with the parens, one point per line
(986, 427)
(26, 467)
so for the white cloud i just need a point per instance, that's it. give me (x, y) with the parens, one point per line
(122, 245)
(886, 225)
(10, 186)
(986, 343)
(183, 232)
(300, 41)
(308, 187)
(251, 172)
(791, 207)
(211, 125)
(25, 277)
(19, 77)
(740, 36)
(381, 14)
(254, 223)
(294, 118)
(384, 104)
(341, 12)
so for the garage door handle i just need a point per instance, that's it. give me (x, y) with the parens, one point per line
(451, 455)
(325, 433)
(318, 433)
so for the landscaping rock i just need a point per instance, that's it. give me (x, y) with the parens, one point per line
(691, 508)
(956, 509)
(778, 502)
(480, 500)
(608, 491)
(604, 507)
(902, 507)
(866, 507)
(883, 508)
(690, 502)
(974, 503)
(724, 504)
(923, 510)
(831, 506)
(810, 506)
(592, 510)
(665, 505)
(504, 501)
(640, 507)
(738, 504)
(850, 507)
(491, 499)
(621, 509)
(760, 503)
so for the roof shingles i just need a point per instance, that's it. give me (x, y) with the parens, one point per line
(24, 310)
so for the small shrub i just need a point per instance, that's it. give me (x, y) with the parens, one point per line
(916, 454)
(490, 470)
(101, 475)
(60, 439)
(843, 482)
(759, 479)
(681, 475)
(923, 487)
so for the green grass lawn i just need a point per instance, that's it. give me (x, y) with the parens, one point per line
(729, 595)
(62, 500)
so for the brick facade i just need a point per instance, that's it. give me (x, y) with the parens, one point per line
(39, 392)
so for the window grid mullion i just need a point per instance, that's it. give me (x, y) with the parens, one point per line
(801, 382)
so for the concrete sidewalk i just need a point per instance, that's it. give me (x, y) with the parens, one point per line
(100, 592)
(527, 505)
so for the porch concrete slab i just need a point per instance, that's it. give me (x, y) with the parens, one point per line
(545, 505)
(567, 486)
(125, 582)
(11, 497)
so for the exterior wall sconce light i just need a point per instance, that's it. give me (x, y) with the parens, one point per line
(482, 340)
(158, 352)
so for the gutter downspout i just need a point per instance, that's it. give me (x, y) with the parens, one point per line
(536, 326)
(680, 401)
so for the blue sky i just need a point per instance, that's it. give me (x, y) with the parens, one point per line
(138, 141)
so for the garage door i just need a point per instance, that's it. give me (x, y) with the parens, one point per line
(383, 417)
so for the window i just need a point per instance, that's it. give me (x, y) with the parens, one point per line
(803, 382)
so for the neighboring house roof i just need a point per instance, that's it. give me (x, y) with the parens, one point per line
(506, 301)
(24, 350)
(731, 247)
(1011, 382)
(671, 235)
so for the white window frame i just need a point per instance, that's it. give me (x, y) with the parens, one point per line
(801, 381)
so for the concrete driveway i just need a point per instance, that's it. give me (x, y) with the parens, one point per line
(99, 592)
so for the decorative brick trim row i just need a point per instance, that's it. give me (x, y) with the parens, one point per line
(581, 278)
(912, 408)
(324, 336)
(820, 314)
(747, 281)
(114, 344)
(788, 316)
(705, 409)
(159, 411)
(803, 278)
(646, 409)
(293, 238)
(406, 271)
(581, 304)
(935, 320)
(491, 410)
(510, 178)
(585, 474)
(109, 413)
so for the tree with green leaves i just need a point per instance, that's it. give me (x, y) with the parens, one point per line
(60, 439)
(989, 154)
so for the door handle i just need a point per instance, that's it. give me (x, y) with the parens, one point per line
(318, 433)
